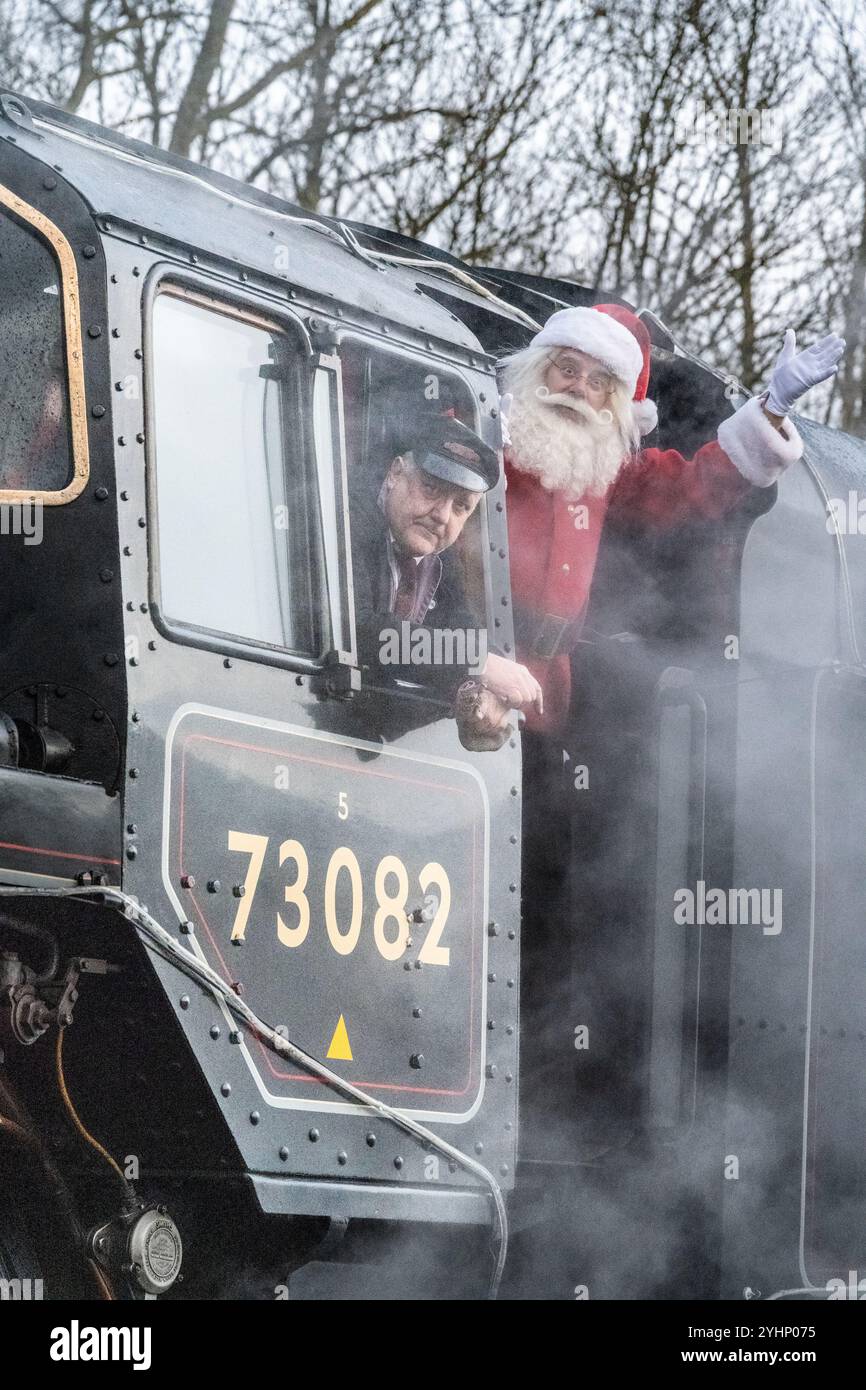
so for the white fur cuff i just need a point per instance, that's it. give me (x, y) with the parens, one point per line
(755, 447)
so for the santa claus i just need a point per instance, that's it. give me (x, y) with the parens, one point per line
(575, 407)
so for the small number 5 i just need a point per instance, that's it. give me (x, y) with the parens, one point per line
(343, 811)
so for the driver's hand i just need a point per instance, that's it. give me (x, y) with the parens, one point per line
(482, 718)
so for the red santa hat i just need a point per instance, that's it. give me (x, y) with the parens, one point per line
(618, 339)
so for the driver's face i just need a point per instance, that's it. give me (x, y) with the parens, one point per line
(425, 514)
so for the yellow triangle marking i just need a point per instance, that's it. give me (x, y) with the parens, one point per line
(340, 1051)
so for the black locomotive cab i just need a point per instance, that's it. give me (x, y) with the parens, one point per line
(189, 398)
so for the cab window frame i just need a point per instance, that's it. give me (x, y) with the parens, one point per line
(61, 252)
(300, 373)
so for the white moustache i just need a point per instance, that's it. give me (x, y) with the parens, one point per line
(576, 405)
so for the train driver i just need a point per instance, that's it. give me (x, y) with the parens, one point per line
(413, 618)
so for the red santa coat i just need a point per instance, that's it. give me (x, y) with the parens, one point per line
(553, 541)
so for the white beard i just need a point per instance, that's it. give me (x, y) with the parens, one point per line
(580, 454)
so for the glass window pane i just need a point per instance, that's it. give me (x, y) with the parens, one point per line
(34, 408)
(233, 548)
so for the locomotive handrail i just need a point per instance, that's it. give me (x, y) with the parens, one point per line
(676, 689)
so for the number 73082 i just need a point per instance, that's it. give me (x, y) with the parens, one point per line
(391, 920)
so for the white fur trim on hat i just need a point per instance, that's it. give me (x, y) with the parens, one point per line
(646, 416)
(600, 336)
(755, 447)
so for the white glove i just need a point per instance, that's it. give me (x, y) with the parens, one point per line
(505, 403)
(795, 372)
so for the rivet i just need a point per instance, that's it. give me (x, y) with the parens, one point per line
(133, 772)
(135, 716)
(342, 1157)
(143, 608)
(50, 183)
(398, 1162)
(239, 890)
(514, 791)
(235, 1037)
(490, 1025)
(284, 1153)
(184, 1001)
(313, 1136)
(139, 438)
(417, 965)
(492, 929)
(131, 852)
(121, 439)
(490, 1070)
(214, 1030)
(187, 881)
(101, 493)
(226, 1088)
(479, 1147)
(213, 885)
(509, 1124)
(94, 331)
(132, 828)
(371, 1141)
(491, 978)
(504, 601)
(499, 506)
(227, 663)
(186, 929)
(416, 1061)
(503, 1168)
(509, 1029)
(141, 521)
(115, 332)
(501, 553)
(133, 661)
(88, 252)
(137, 355)
(512, 839)
(511, 933)
(407, 965)
(416, 1013)
(254, 1117)
(127, 550)
(508, 1076)
(151, 646)
(97, 411)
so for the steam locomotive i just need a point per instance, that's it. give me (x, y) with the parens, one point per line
(260, 1005)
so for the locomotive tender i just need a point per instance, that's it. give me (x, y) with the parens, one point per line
(259, 908)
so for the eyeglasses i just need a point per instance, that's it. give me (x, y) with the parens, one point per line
(595, 380)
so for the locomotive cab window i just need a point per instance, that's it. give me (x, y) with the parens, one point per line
(234, 499)
(393, 403)
(43, 437)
